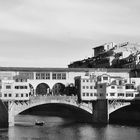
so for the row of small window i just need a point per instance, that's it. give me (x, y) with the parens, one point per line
(22, 95)
(58, 76)
(120, 82)
(89, 94)
(42, 75)
(21, 87)
(89, 87)
(8, 86)
(120, 87)
(6, 95)
(29, 75)
(87, 80)
(17, 95)
(101, 86)
(126, 87)
(21, 80)
(122, 94)
(111, 94)
(104, 78)
(16, 87)
(131, 66)
(95, 87)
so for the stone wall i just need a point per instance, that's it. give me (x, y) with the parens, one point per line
(3, 114)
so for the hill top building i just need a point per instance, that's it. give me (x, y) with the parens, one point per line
(111, 55)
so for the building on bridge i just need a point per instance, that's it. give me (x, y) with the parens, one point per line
(54, 81)
(86, 88)
(61, 81)
(16, 89)
(104, 87)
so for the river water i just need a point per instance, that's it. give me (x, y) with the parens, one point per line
(56, 128)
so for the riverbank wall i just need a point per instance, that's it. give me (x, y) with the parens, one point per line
(3, 114)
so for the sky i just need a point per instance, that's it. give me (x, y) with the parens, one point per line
(54, 33)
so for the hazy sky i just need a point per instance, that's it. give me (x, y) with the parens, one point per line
(53, 33)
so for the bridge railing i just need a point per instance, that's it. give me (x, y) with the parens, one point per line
(50, 98)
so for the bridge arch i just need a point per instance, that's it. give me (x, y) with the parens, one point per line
(63, 110)
(58, 89)
(116, 106)
(19, 107)
(42, 89)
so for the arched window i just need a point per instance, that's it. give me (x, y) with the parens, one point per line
(58, 89)
(42, 89)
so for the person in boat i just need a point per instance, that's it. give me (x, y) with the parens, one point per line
(39, 122)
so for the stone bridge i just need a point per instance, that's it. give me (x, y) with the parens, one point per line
(40, 100)
(16, 107)
(101, 109)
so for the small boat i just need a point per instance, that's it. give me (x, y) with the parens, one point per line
(40, 123)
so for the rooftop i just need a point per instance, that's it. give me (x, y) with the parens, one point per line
(39, 69)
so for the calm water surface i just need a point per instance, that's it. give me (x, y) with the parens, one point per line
(57, 128)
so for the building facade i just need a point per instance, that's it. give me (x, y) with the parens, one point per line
(105, 87)
(20, 83)
(16, 89)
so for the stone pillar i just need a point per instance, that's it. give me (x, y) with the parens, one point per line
(100, 111)
(11, 113)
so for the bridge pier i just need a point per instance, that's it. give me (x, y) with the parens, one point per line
(100, 111)
(11, 113)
